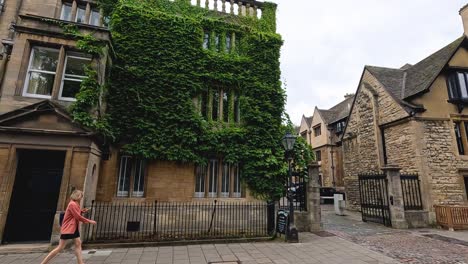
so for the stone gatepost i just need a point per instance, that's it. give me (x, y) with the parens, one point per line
(395, 196)
(313, 198)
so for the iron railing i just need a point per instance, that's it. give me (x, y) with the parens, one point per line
(299, 194)
(175, 221)
(411, 189)
(375, 206)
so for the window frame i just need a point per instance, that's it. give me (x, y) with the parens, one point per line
(319, 127)
(234, 177)
(132, 177)
(318, 155)
(454, 86)
(64, 3)
(29, 70)
(64, 78)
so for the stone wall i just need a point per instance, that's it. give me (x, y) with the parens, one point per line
(400, 146)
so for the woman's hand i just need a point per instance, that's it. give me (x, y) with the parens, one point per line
(84, 210)
(92, 222)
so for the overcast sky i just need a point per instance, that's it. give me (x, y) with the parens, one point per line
(327, 43)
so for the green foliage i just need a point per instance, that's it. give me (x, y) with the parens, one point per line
(160, 67)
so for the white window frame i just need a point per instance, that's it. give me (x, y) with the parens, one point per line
(91, 15)
(142, 173)
(29, 71)
(203, 169)
(76, 15)
(236, 192)
(119, 192)
(77, 78)
(215, 171)
(62, 11)
(227, 182)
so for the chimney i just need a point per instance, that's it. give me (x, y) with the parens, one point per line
(464, 15)
(347, 96)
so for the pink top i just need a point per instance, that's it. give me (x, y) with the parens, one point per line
(72, 218)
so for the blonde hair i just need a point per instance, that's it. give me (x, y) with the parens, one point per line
(76, 195)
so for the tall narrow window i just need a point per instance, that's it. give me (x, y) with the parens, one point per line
(463, 88)
(227, 48)
(213, 181)
(215, 105)
(204, 105)
(80, 14)
(236, 109)
(459, 139)
(139, 179)
(125, 172)
(73, 75)
(236, 192)
(66, 12)
(206, 40)
(200, 176)
(318, 155)
(217, 43)
(226, 180)
(95, 17)
(225, 106)
(41, 72)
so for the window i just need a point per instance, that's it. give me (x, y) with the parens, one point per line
(95, 18)
(85, 14)
(457, 84)
(318, 155)
(227, 48)
(208, 176)
(317, 130)
(225, 106)
(80, 14)
(204, 104)
(236, 109)
(458, 136)
(73, 75)
(132, 172)
(215, 105)
(41, 72)
(66, 12)
(222, 108)
(465, 181)
(215, 42)
(206, 40)
(340, 126)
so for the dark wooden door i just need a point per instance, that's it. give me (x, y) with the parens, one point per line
(33, 203)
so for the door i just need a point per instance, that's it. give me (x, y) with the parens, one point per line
(33, 202)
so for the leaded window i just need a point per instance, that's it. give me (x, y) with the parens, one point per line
(457, 84)
(458, 136)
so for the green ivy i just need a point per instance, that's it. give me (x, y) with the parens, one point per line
(160, 67)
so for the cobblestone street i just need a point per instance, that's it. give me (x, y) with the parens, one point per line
(407, 246)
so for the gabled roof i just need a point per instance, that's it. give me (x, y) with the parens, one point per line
(308, 120)
(411, 80)
(337, 112)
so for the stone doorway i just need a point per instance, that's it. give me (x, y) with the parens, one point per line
(35, 195)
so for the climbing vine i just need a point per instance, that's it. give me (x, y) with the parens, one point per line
(160, 71)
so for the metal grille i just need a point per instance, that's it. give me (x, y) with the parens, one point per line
(374, 198)
(411, 189)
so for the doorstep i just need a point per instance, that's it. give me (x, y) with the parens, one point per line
(24, 248)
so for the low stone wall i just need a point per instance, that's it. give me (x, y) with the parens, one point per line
(417, 219)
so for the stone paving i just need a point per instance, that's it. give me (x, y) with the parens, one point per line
(408, 246)
(311, 249)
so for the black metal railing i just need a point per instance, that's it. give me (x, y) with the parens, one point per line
(299, 194)
(411, 189)
(175, 221)
(373, 194)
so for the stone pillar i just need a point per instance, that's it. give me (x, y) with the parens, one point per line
(313, 198)
(395, 195)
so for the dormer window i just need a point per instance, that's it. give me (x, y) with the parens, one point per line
(457, 84)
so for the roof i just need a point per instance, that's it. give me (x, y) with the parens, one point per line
(411, 80)
(308, 120)
(337, 112)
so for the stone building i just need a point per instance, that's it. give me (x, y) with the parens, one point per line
(413, 117)
(44, 154)
(323, 131)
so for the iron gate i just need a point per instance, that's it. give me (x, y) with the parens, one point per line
(374, 199)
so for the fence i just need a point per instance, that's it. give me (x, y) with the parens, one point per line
(373, 193)
(452, 216)
(171, 221)
(411, 189)
(298, 193)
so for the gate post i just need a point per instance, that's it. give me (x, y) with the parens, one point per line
(313, 198)
(397, 209)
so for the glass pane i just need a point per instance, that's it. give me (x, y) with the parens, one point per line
(236, 109)
(225, 107)
(139, 181)
(217, 42)
(237, 182)
(228, 43)
(215, 105)
(461, 150)
(462, 81)
(70, 88)
(80, 14)
(124, 176)
(200, 181)
(66, 12)
(213, 184)
(95, 18)
(40, 83)
(44, 59)
(225, 181)
(206, 40)
(76, 66)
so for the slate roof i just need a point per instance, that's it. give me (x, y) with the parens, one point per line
(337, 112)
(411, 80)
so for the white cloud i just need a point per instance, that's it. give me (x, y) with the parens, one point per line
(327, 43)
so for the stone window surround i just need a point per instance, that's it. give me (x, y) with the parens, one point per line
(464, 133)
(317, 130)
(23, 74)
(230, 42)
(130, 194)
(220, 170)
(221, 107)
(90, 5)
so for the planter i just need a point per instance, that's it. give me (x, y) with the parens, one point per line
(453, 217)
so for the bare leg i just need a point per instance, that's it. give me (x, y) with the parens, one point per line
(54, 252)
(79, 258)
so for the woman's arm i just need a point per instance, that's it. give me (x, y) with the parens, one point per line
(75, 210)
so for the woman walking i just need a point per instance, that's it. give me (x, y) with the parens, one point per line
(70, 226)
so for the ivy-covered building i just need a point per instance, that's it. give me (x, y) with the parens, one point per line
(174, 101)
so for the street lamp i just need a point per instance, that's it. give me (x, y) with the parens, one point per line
(288, 143)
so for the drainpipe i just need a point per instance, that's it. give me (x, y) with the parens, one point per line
(7, 47)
